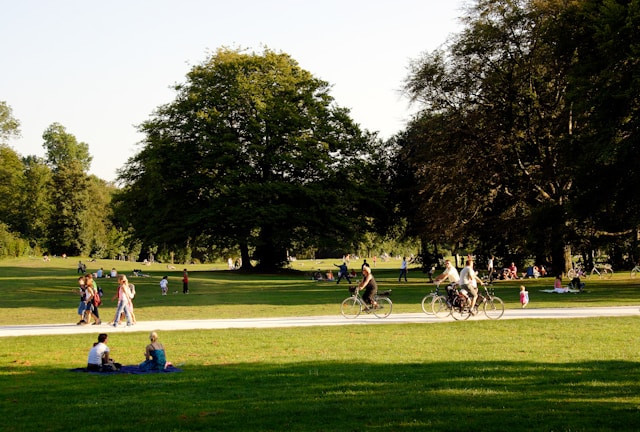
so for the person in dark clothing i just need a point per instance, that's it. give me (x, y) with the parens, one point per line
(343, 273)
(370, 287)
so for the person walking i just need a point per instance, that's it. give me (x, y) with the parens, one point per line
(403, 270)
(343, 272)
(164, 285)
(124, 300)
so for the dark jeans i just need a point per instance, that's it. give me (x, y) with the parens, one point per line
(346, 276)
(403, 272)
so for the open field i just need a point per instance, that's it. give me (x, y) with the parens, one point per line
(560, 375)
(35, 292)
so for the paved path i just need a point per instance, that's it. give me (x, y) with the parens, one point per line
(326, 320)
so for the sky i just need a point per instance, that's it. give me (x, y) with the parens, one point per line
(101, 68)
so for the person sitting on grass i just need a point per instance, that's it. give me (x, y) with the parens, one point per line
(155, 355)
(99, 360)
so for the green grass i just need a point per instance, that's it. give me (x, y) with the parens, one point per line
(34, 292)
(515, 375)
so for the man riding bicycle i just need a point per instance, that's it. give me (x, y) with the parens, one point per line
(449, 272)
(469, 280)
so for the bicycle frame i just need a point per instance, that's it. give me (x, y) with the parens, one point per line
(352, 306)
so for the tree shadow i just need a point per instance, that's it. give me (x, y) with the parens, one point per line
(330, 396)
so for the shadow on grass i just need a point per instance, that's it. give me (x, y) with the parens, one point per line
(325, 396)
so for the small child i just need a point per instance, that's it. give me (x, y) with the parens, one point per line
(524, 296)
(164, 285)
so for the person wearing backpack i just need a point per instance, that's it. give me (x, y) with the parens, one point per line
(93, 301)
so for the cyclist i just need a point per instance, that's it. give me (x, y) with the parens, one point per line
(469, 280)
(449, 272)
(370, 287)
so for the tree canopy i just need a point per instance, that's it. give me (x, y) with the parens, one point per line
(515, 144)
(253, 152)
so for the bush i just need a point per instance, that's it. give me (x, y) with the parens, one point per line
(11, 245)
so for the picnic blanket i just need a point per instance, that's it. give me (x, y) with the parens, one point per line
(131, 369)
(575, 291)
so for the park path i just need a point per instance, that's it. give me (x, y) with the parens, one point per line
(308, 321)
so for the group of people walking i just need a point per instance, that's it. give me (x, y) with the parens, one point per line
(91, 300)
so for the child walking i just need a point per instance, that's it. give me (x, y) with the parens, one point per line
(524, 296)
(164, 285)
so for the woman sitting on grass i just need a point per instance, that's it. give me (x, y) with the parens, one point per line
(155, 355)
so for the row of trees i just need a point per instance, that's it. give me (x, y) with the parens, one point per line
(527, 141)
(50, 204)
(525, 146)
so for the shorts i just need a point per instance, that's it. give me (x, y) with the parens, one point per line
(82, 307)
(473, 290)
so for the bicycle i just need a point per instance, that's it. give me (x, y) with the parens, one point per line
(453, 304)
(427, 301)
(457, 304)
(635, 271)
(352, 306)
(607, 271)
(492, 306)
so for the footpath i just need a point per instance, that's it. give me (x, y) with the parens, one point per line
(308, 321)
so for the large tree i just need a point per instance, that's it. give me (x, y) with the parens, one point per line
(604, 39)
(492, 145)
(69, 160)
(252, 153)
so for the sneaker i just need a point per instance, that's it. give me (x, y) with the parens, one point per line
(83, 322)
(79, 322)
(99, 322)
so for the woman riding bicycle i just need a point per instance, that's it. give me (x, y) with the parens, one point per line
(370, 287)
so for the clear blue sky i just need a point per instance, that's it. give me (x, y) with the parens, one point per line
(100, 68)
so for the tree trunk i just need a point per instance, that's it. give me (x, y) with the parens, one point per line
(244, 255)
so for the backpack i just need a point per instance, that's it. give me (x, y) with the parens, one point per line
(97, 297)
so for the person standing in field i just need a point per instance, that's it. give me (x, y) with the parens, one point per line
(164, 285)
(185, 282)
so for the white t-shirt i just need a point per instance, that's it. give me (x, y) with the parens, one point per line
(164, 284)
(452, 274)
(96, 353)
(468, 277)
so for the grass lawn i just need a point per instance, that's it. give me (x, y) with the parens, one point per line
(547, 375)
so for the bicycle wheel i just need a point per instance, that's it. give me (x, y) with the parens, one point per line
(440, 307)
(351, 307)
(608, 273)
(426, 303)
(384, 307)
(634, 273)
(460, 313)
(571, 273)
(494, 308)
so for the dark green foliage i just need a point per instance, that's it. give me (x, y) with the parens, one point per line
(254, 154)
(527, 142)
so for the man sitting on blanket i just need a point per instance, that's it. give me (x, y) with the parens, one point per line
(99, 360)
